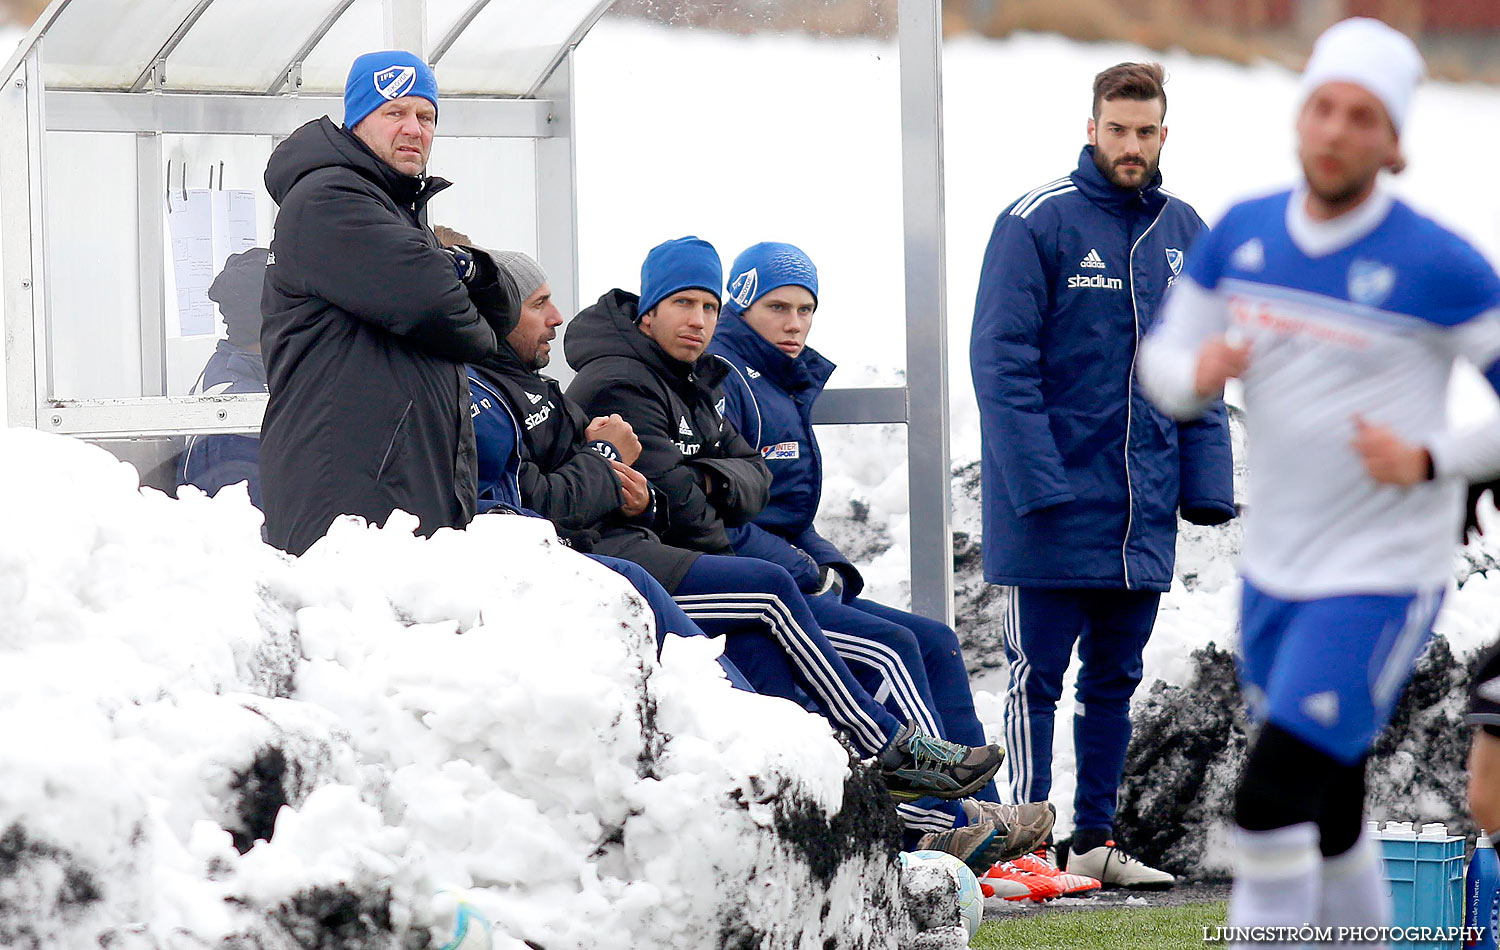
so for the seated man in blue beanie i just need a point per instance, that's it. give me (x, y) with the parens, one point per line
(368, 320)
(773, 379)
(212, 461)
(642, 358)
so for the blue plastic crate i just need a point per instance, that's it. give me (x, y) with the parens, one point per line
(1426, 877)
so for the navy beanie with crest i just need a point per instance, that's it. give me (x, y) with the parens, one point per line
(684, 263)
(761, 268)
(377, 78)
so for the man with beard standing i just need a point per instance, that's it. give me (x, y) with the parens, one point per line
(1083, 478)
(367, 320)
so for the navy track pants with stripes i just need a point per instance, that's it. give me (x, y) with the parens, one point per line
(774, 639)
(670, 618)
(915, 666)
(1039, 628)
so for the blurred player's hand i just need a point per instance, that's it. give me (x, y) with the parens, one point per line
(1477, 491)
(1218, 362)
(1389, 458)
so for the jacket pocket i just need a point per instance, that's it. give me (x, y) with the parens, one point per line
(394, 444)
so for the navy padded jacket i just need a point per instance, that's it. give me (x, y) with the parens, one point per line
(212, 461)
(1083, 477)
(769, 397)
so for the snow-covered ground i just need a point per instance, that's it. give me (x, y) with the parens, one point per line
(482, 711)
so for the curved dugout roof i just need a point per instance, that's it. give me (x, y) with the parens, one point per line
(478, 47)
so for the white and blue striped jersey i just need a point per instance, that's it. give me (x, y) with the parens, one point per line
(1363, 315)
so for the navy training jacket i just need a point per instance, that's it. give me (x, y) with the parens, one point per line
(213, 461)
(1083, 477)
(769, 397)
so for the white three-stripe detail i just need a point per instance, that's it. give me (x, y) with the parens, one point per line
(799, 647)
(1038, 201)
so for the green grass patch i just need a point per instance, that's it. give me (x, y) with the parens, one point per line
(1126, 928)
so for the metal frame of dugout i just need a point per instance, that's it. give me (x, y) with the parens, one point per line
(187, 74)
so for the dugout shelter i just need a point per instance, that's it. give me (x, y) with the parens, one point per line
(137, 132)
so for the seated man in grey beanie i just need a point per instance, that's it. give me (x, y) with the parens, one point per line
(212, 461)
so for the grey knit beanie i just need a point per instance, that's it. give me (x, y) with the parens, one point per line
(522, 269)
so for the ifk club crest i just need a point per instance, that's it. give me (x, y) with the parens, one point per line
(1370, 282)
(1174, 260)
(395, 82)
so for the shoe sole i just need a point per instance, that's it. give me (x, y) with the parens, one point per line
(981, 856)
(1057, 876)
(994, 891)
(1034, 837)
(1138, 887)
(947, 794)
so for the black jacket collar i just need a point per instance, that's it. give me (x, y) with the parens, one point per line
(321, 144)
(610, 328)
(808, 370)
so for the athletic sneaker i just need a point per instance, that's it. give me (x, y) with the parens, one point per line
(1043, 861)
(1027, 825)
(1115, 868)
(915, 764)
(1004, 889)
(976, 845)
(1038, 887)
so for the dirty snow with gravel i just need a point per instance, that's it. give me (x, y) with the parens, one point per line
(208, 743)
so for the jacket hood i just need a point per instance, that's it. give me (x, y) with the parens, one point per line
(321, 144)
(809, 370)
(609, 328)
(1106, 194)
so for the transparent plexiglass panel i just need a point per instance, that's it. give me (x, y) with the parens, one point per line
(443, 16)
(776, 134)
(493, 199)
(241, 215)
(243, 46)
(107, 44)
(93, 283)
(511, 44)
(360, 30)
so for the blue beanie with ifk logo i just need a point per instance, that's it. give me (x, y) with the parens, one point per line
(761, 268)
(377, 78)
(685, 263)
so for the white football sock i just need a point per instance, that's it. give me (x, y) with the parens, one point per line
(1354, 891)
(1276, 878)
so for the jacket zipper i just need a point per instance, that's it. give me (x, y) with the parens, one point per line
(391, 446)
(1135, 313)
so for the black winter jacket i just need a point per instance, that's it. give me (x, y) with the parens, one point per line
(365, 335)
(568, 483)
(676, 410)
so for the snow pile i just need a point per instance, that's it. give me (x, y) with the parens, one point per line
(483, 710)
(1190, 741)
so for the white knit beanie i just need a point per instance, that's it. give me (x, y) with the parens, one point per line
(1370, 54)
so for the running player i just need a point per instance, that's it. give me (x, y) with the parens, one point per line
(1343, 311)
